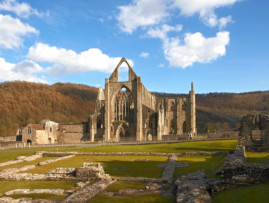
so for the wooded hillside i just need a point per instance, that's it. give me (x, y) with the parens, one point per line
(217, 111)
(25, 102)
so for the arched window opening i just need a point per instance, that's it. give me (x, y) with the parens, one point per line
(124, 103)
(123, 74)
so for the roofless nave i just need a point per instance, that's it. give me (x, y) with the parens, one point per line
(128, 110)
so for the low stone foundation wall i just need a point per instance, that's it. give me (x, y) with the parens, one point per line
(189, 153)
(236, 172)
(87, 193)
(193, 188)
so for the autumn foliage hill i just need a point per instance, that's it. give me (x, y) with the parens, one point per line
(25, 102)
(220, 111)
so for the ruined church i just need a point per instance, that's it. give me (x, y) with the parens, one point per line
(128, 111)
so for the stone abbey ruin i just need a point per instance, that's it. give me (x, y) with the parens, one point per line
(128, 110)
(124, 111)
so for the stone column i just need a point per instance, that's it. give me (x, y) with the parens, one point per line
(139, 110)
(107, 110)
(192, 106)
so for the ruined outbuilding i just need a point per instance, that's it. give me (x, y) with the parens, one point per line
(44, 133)
(128, 111)
(254, 132)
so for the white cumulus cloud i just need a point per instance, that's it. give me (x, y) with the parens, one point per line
(144, 55)
(22, 10)
(205, 9)
(68, 61)
(196, 48)
(161, 32)
(12, 30)
(25, 70)
(141, 13)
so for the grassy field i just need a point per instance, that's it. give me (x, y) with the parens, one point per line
(198, 163)
(156, 198)
(40, 196)
(25, 163)
(115, 187)
(12, 185)
(220, 145)
(11, 154)
(114, 165)
(7, 155)
(258, 157)
(250, 194)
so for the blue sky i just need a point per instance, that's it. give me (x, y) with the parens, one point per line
(220, 45)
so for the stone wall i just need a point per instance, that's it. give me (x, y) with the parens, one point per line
(237, 172)
(8, 139)
(189, 153)
(72, 133)
(254, 132)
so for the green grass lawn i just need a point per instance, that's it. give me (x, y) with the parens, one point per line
(115, 187)
(25, 163)
(220, 145)
(12, 185)
(198, 163)
(12, 154)
(40, 196)
(258, 157)
(114, 165)
(156, 198)
(7, 155)
(250, 194)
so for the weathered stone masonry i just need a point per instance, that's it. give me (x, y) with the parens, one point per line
(127, 110)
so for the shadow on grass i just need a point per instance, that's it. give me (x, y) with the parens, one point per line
(147, 169)
(122, 166)
(199, 163)
(150, 198)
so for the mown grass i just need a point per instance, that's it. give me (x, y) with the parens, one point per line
(220, 145)
(250, 194)
(12, 185)
(156, 198)
(8, 155)
(25, 163)
(122, 166)
(40, 196)
(258, 157)
(198, 163)
(115, 187)
(12, 154)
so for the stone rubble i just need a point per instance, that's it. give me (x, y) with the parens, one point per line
(192, 188)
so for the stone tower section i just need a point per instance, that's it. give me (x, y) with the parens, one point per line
(192, 112)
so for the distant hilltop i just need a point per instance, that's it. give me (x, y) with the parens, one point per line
(26, 102)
